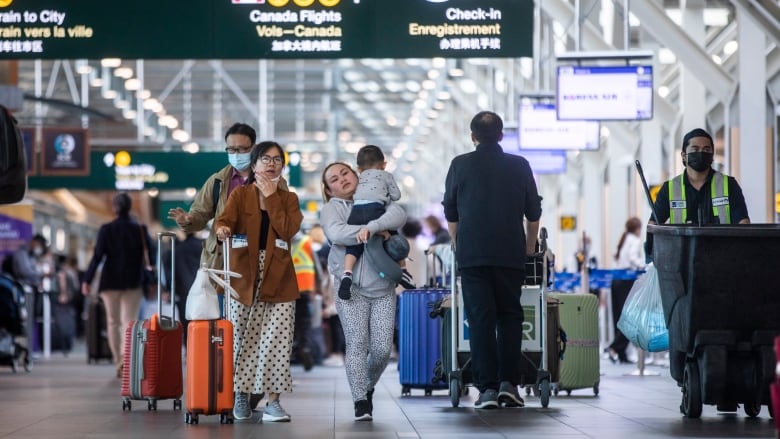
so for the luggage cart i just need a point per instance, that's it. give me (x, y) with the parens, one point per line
(535, 297)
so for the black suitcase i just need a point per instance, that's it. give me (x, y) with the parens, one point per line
(97, 339)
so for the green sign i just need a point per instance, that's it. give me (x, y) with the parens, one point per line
(140, 170)
(246, 29)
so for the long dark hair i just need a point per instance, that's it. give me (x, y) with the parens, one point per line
(633, 225)
(258, 151)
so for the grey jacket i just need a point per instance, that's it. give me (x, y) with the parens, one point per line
(366, 280)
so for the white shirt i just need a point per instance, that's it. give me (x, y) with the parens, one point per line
(631, 254)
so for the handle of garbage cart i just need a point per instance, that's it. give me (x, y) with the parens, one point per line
(647, 190)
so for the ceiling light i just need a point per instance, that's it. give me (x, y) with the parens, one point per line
(420, 104)
(443, 96)
(717, 59)
(730, 48)
(180, 135)
(153, 192)
(408, 130)
(666, 56)
(149, 131)
(413, 86)
(433, 114)
(144, 94)
(433, 74)
(394, 87)
(482, 101)
(190, 192)
(110, 62)
(109, 94)
(129, 113)
(83, 68)
(467, 85)
(439, 105)
(124, 72)
(320, 136)
(168, 121)
(456, 73)
(428, 84)
(150, 104)
(391, 121)
(439, 63)
(191, 147)
(96, 81)
(133, 84)
(121, 104)
(663, 91)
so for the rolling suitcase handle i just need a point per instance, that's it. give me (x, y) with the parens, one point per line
(172, 322)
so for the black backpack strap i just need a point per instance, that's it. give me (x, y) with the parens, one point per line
(215, 195)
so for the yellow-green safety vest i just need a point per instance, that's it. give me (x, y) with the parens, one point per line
(719, 193)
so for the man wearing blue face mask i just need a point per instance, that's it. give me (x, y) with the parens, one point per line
(700, 195)
(211, 198)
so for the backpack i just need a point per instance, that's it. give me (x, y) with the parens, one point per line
(13, 160)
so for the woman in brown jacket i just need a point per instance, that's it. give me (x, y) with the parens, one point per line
(260, 219)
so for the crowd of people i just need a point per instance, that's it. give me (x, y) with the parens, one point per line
(491, 206)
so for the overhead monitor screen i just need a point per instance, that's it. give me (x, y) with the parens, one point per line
(605, 93)
(542, 162)
(539, 128)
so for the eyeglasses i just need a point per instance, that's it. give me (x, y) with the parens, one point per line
(241, 149)
(267, 159)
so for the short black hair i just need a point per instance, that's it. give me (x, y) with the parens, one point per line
(242, 128)
(122, 203)
(258, 151)
(696, 132)
(412, 228)
(370, 155)
(487, 127)
(42, 239)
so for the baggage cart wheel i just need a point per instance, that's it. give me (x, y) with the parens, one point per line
(177, 404)
(555, 390)
(568, 392)
(406, 391)
(126, 404)
(455, 392)
(596, 389)
(752, 409)
(527, 390)
(691, 400)
(544, 390)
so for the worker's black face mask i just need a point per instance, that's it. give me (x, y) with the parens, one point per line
(699, 161)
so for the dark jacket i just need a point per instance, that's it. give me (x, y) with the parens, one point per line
(488, 192)
(119, 245)
(187, 262)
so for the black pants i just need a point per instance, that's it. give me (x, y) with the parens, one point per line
(302, 327)
(491, 299)
(620, 289)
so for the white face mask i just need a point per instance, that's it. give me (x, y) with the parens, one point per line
(37, 251)
(240, 161)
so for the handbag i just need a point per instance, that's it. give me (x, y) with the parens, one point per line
(642, 319)
(202, 301)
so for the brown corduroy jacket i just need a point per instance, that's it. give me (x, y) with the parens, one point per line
(242, 216)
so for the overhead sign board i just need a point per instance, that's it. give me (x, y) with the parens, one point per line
(242, 29)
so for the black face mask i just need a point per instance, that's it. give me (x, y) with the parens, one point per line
(699, 161)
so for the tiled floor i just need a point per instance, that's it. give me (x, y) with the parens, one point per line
(66, 398)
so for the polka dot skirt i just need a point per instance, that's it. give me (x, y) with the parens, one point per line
(262, 342)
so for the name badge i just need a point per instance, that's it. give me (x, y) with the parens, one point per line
(678, 204)
(720, 201)
(282, 244)
(238, 241)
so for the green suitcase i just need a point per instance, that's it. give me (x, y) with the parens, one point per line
(579, 368)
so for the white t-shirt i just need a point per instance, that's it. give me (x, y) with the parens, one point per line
(631, 254)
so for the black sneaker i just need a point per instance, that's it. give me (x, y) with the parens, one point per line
(345, 286)
(370, 399)
(362, 410)
(407, 281)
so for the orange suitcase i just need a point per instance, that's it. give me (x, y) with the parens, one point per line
(210, 363)
(152, 356)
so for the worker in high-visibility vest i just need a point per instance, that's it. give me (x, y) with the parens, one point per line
(700, 195)
(303, 260)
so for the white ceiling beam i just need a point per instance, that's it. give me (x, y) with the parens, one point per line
(688, 52)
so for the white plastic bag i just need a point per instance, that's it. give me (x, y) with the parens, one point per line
(642, 319)
(202, 301)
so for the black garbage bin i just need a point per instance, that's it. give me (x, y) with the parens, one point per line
(720, 287)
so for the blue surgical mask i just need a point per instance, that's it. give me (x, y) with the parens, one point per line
(239, 161)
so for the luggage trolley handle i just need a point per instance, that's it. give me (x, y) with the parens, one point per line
(226, 277)
(160, 236)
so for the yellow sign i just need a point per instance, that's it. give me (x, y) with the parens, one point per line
(568, 223)
(777, 202)
(654, 191)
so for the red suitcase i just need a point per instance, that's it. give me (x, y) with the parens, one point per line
(152, 357)
(210, 363)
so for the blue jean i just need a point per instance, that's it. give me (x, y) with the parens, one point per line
(491, 299)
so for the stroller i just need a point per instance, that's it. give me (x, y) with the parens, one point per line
(12, 319)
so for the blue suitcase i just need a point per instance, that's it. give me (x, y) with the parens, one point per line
(419, 340)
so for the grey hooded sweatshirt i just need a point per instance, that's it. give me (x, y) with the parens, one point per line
(365, 279)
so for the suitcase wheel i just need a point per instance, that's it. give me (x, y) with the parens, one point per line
(126, 404)
(406, 391)
(151, 405)
(190, 418)
(177, 404)
(225, 418)
(428, 392)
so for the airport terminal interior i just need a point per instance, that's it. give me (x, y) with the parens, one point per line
(105, 105)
